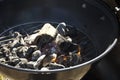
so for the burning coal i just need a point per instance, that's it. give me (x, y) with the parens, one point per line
(45, 49)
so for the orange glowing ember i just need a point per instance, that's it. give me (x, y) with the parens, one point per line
(78, 53)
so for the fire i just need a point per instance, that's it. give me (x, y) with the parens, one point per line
(78, 53)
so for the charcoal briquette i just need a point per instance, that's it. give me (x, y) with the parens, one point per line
(2, 60)
(49, 58)
(39, 61)
(13, 61)
(55, 66)
(75, 59)
(24, 60)
(22, 51)
(15, 43)
(31, 65)
(30, 50)
(22, 65)
(35, 55)
(22, 42)
(2, 55)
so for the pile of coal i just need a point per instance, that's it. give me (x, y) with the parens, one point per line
(45, 49)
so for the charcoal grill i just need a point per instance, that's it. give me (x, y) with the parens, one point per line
(94, 19)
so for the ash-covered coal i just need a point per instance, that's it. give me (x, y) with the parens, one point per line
(50, 47)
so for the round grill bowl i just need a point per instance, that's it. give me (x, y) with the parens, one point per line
(92, 18)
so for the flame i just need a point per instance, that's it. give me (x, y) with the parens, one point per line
(65, 58)
(54, 59)
(78, 53)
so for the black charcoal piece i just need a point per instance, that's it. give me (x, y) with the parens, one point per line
(60, 59)
(55, 66)
(14, 52)
(15, 43)
(23, 60)
(71, 32)
(30, 50)
(22, 51)
(49, 58)
(31, 65)
(39, 61)
(18, 40)
(2, 55)
(35, 55)
(67, 47)
(2, 60)
(43, 40)
(13, 60)
(76, 59)
(67, 61)
(6, 50)
(22, 65)
(21, 41)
